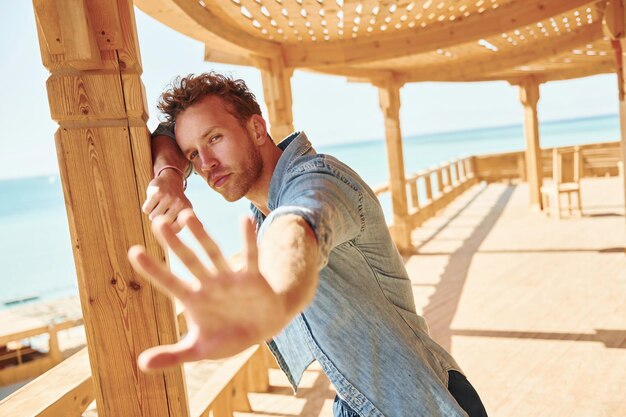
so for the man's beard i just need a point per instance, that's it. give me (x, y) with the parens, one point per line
(250, 172)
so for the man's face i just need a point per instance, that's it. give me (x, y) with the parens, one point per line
(222, 151)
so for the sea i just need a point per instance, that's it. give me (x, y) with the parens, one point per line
(36, 260)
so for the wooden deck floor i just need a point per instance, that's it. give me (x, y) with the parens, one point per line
(533, 309)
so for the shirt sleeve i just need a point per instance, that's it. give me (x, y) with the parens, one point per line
(167, 129)
(164, 129)
(332, 206)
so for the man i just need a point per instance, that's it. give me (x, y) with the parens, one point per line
(325, 283)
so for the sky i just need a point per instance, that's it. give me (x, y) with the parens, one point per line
(329, 109)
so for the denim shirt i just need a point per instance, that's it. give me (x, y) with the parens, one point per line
(361, 326)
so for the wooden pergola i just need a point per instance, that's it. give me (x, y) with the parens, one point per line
(393, 43)
(97, 97)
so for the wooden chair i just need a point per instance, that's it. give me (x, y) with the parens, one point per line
(566, 173)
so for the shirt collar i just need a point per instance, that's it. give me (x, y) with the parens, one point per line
(293, 147)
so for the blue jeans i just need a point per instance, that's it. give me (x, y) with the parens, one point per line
(458, 385)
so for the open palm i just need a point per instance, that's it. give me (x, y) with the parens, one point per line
(226, 310)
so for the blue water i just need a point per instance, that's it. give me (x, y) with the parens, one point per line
(36, 256)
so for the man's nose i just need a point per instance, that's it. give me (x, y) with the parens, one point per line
(207, 161)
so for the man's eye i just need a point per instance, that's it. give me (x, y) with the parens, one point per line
(215, 138)
(193, 155)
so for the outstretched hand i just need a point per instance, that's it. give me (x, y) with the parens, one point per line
(226, 310)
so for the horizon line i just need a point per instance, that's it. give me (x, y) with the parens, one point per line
(407, 137)
(473, 129)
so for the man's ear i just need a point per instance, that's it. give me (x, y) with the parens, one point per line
(257, 127)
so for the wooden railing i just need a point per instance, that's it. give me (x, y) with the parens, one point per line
(67, 389)
(432, 189)
(599, 159)
(24, 362)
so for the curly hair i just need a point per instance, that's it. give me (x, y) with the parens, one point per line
(186, 91)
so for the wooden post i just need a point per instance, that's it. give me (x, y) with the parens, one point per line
(389, 99)
(460, 169)
(615, 28)
(448, 181)
(440, 186)
(467, 168)
(429, 187)
(474, 167)
(415, 202)
(529, 96)
(103, 147)
(521, 167)
(276, 80)
(53, 345)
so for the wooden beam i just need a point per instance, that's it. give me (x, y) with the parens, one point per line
(507, 17)
(613, 19)
(277, 93)
(79, 43)
(47, 18)
(355, 74)
(529, 96)
(516, 77)
(486, 63)
(169, 14)
(206, 22)
(614, 22)
(103, 148)
(214, 55)
(389, 98)
(604, 66)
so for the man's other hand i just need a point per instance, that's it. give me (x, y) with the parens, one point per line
(166, 197)
(227, 310)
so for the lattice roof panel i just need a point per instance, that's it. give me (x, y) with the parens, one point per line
(302, 21)
(451, 40)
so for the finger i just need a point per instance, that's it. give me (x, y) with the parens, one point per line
(157, 274)
(160, 209)
(188, 257)
(251, 251)
(170, 217)
(188, 218)
(151, 200)
(160, 357)
(175, 226)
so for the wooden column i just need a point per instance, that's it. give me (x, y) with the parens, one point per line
(389, 98)
(97, 97)
(615, 28)
(276, 80)
(529, 96)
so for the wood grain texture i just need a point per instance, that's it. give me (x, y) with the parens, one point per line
(389, 100)
(79, 44)
(118, 304)
(529, 96)
(415, 41)
(105, 164)
(276, 81)
(65, 390)
(86, 98)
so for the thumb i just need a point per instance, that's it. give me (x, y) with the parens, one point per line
(166, 356)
